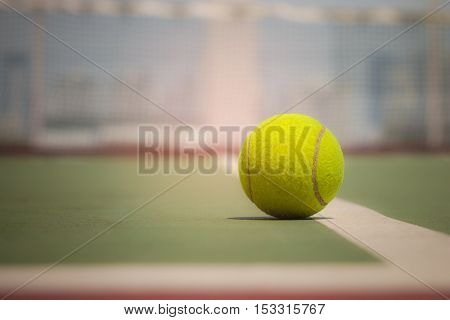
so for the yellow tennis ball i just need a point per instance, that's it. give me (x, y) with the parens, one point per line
(291, 166)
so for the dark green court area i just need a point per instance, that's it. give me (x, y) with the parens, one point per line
(410, 188)
(51, 205)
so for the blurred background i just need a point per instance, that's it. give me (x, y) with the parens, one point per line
(219, 63)
(78, 76)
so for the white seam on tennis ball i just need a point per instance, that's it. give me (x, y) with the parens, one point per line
(314, 169)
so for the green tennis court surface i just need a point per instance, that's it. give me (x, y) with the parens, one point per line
(413, 189)
(49, 206)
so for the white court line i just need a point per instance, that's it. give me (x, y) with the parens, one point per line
(200, 277)
(422, 252)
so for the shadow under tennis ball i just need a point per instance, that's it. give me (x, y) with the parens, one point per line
(276, 219)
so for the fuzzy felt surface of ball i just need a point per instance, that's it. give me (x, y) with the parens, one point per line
(291, 166)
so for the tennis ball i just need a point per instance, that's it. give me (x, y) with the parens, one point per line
(291, 166)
